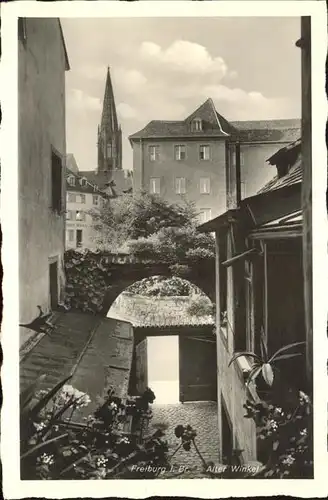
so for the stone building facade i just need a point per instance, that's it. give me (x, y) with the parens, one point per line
(82, 200)
(189, 159)
(42, 62)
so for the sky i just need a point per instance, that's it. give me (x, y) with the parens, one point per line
(164, 68)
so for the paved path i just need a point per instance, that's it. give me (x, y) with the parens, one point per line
(202, 416)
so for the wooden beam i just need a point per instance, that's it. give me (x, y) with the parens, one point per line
(236, 258)
(238, 175)
(307, 190)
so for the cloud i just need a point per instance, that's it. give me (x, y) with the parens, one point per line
(184, 56)
(241, 105)
(129, 80)
(79, 100)
(126, 111)
(93, 72)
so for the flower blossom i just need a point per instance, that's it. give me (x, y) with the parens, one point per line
(289, 460)
(46, 459)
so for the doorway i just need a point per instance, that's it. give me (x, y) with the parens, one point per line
(53, 280)
(157, 367)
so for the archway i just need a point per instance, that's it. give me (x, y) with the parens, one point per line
(175, 347)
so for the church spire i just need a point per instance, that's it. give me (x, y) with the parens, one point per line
(109, 132)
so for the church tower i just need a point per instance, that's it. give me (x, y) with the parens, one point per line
(109, 133)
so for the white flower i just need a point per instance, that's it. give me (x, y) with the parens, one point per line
(304, 398)
(101, 462)
(113, 406)
(273, 425)
(47, 459)
(289, 460)
(303, 432)
(39, 426)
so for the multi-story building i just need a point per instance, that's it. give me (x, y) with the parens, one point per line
(42, 62)
(187, 159)
(83, 198)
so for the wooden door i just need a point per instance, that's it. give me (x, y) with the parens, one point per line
(141, 366)
(198, 369)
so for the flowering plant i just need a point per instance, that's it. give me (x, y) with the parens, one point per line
(286, 433)
(53, 446)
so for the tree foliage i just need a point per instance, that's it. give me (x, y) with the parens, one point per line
(151, 228)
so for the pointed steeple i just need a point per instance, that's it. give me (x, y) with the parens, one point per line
(109, 143)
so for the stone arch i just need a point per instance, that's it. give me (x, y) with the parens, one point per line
(123, 276)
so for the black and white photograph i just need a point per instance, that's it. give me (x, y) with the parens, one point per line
(165, 311)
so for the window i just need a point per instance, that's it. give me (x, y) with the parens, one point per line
(204, 152)
(22, 29)
(109, 150)
(180, 152)
(205, 214)
(79, 236)
(71, 180)
(197, 125)
(155, 187)
(56, 182)
(80, 216)
(69, 215)
(95, 199)
(83, 181)
(71, 197)
(205, 185)
(82, 198)
(70, 234)
(180, 185)
(153, 153)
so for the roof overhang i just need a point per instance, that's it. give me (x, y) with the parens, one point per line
(222, 220)
(260, 209)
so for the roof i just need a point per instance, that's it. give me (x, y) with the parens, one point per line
(294, 176)
(96, 350)
(288, 161)
(213, 124)
(89, 187)
(147, 312)
(71, 163)
(260, 208)
(118, 180)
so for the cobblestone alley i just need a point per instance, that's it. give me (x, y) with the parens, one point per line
(202, 416)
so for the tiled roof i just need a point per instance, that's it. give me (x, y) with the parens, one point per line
(216, 125)
(97, 350)
(212, 125)
(289, 158)
(89, 187)
(268, 130)
(117, 180)
(149, 312)
(265, 124)
(269, 135)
